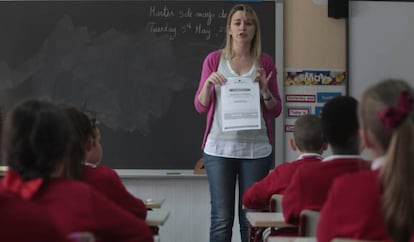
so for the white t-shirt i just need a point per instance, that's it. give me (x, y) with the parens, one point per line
(250, 144)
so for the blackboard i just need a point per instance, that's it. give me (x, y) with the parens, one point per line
(380, 43)
(135, 64)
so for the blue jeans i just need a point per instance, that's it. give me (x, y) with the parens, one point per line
(223, 173)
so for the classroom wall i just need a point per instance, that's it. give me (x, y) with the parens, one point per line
(312, 41)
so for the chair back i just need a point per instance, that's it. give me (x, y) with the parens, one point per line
(276, 203)
(308, 223)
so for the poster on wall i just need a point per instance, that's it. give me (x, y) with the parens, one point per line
(306, 91)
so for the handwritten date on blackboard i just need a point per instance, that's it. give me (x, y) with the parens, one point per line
(178, 22)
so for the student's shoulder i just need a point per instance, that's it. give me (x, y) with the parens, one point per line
(362, 183)
(309, 166)
(67, 185)
(102, 169)
(369, 177)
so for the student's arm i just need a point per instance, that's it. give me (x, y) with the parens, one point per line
(292, 202)
(259, 194)
(115, 224)
(106, 181)
(121, 196)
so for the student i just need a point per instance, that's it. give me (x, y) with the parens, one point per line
(377, 204)
(32, 221)
(308, 142)
(86, 146)
(311, 182)
(233, 157)
(35, 140)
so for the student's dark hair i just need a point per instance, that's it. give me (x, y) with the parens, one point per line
(82, 130)
(397, 173)
(340, 125)
(35, 138)
(308, 135)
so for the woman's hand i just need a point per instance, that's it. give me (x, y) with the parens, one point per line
(263, 79)
(215, 78)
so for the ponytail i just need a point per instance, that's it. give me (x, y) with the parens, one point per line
(398, 182)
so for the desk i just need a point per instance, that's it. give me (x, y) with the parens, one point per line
(260, 220)
(151, 203)
(157, 217)
(291, 239)
(267, 219)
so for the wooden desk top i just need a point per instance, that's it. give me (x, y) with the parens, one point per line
(153, 203)
(157, 217)
(267, 219)
(291, 239)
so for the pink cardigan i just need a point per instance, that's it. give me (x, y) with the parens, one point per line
(210, 65)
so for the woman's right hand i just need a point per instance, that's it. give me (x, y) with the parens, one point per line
(215, 78)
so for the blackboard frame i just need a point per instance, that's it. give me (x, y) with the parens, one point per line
(25, 89)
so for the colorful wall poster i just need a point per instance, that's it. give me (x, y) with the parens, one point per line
(306, 91)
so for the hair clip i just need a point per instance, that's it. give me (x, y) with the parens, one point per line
(392, 117)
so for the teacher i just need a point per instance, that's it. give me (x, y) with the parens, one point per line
(238, 156)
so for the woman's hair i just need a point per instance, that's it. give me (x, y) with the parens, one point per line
(398, 140)
(256, 47)
(35, 138)
(81, 131)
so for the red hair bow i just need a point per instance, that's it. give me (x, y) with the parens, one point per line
(14, 183)
(392, 117)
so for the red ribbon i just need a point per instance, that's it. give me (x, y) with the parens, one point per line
(14, 183)
(392, 117)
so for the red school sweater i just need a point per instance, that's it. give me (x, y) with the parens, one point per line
(259, 194)
(105, 180)
(75, 206)
(310, 185)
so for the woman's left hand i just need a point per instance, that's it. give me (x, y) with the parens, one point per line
(263, 79)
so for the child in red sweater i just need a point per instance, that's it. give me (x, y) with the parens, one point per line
(377, 204)
(308, 142)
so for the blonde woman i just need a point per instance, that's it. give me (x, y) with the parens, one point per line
(231, 157)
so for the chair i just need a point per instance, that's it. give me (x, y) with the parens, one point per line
(262, 220)
(81, 237)
(276, 203)
(308, 222)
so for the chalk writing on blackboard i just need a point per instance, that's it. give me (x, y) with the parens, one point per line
(177, 23)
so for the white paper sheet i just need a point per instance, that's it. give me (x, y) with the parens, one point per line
(240, 98)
